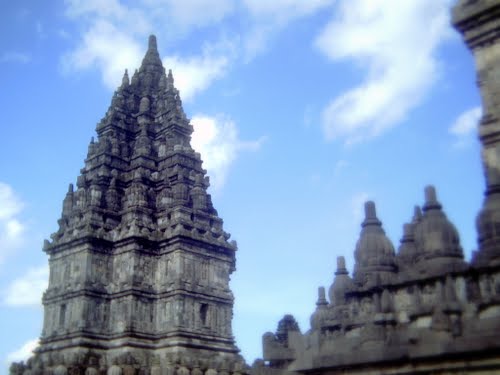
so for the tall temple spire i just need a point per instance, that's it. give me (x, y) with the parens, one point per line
(152, 56)
(152, 43)
(140, 264)
(125, 79)
(477, 21)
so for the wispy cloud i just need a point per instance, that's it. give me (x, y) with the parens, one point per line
(11, 227)
(284, 10)
(27, 290)
(115, 34)
(270, 17)
(114, 30)
(40, 30)
(106, 48)
(217, 140)
(308, 116)
(190, 14)
(340, 165)
(23, 353)
(195, 74)
(386, 40)
(63, 34)
(465, 126)
(14, 57)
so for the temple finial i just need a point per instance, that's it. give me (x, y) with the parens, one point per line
(170, 80)
(152, 43)
(125, 79)
(341, 269)
(430, 194)
(152, 58)
(321, 297)
(431, 201)
(370, 215)
(417, 215)
(370, 211)
(408, 230)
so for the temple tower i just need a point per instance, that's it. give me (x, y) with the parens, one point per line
(479, 23)
(140, 265)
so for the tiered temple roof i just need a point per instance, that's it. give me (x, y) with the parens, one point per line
(140, 264)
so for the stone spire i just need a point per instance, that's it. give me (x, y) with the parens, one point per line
(374, 253)
(140, 258)
(170, 80)
(407, 252)
(321, 310)
(152, 58)
(125, 79)
(342, 284)
(436, 239)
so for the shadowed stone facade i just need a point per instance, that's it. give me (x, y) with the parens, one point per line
(140, 265)
(422, 309)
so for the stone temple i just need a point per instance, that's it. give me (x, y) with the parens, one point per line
(422, 309)
(140, 265)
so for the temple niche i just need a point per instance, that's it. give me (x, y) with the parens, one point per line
(421, 308)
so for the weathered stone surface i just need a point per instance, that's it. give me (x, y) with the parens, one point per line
(479, 23)
(140, 264)
(374, 253)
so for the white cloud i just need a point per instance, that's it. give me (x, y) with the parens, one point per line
(14, 57)
(387, 40)
(256, 40)
(191, 13)
(217, 140)
(467, 122)
(194, 74)
(284, 10)
(269, 17)
(115, 35)
(107, 48)
(10, 204)
(27, 290)
(23, 353)
(11, 228)
(99, 8)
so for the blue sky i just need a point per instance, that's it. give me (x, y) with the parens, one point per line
(302, 111)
